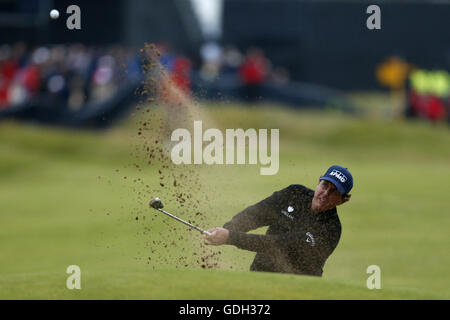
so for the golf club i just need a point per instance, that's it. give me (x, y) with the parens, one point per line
(157, 204)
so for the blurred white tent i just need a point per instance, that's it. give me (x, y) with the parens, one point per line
(209, 13)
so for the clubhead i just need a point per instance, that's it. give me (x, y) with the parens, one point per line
(156, 203)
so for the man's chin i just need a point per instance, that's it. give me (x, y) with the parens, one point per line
(317, 208)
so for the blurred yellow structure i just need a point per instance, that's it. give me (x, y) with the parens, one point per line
(392, 73)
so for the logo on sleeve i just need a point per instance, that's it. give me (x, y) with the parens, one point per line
(287, 213)
(310, 239)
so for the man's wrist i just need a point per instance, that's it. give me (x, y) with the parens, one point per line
(231, 237)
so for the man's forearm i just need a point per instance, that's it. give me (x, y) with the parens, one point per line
(258, 215)
(251, 218)
(258, 242)
(289, 242)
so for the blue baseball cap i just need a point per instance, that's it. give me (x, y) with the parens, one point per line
(340, 177)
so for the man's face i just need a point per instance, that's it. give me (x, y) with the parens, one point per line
(326, 197)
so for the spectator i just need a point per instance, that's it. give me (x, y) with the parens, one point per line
(428, 95)
(253, 73)
(181, 74)
(211, 54)
(232, 59)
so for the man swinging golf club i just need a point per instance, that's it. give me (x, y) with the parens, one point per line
(304, 228)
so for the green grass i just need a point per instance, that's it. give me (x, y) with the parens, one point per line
(194, 285)
(65, 200)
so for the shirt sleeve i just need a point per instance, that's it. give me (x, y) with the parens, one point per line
(258, 215)
(302, 243)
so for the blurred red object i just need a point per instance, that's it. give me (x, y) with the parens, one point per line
(435, 109)
(254, 69)
(180, 74)
(427, 106)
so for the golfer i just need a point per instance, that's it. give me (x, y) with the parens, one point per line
(304, 228)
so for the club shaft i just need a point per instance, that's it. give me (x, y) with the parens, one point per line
(185, 222)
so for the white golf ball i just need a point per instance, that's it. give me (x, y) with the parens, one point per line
(54, 14)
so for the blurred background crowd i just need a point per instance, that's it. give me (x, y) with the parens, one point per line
(73, 77)
(66, 75)
(310, 59)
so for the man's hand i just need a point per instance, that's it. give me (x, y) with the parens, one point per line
(218, 236)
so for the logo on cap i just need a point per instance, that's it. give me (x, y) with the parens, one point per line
(342, 178)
